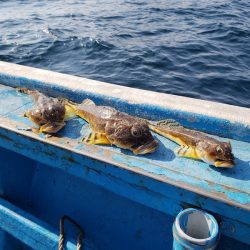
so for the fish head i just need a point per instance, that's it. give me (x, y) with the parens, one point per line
(135, 136)
(54, 111)
(218, 154)
(50, 112)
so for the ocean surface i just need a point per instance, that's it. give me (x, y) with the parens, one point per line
(191, 48)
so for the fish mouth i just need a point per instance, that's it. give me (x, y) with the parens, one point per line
(147, 148)
(224, 163)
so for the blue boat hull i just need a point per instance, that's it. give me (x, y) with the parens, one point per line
(110, 221)
(121, 201)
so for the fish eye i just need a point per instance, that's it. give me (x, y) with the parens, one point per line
(51, 109)
(136, 132)
(219, 150)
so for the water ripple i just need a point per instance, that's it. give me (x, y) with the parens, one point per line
(197, 49)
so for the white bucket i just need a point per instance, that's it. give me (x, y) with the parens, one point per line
(195, 229)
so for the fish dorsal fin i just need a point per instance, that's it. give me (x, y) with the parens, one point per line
(169, 123)
(88, 102)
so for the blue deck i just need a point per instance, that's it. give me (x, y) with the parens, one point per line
(142, 194)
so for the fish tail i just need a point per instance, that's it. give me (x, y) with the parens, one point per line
(70, 109)
(27, 91)
(168, 128)
(70, 112)
(69, 103)
(23, 90)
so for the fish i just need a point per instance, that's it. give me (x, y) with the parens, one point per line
(48, 113)
(195, 144)
(112, 127)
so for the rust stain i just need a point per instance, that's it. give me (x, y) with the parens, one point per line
(71, 159)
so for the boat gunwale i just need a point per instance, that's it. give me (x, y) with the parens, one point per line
(132, 96)
(160, 178)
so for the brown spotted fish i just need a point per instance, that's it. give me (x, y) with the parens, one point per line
(48, 113)
(110, 126)
(195, 144)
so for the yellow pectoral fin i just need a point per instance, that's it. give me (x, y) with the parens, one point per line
(186, 151)
(96, 138)
(83, 115)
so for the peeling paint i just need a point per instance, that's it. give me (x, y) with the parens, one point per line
(159, 180)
